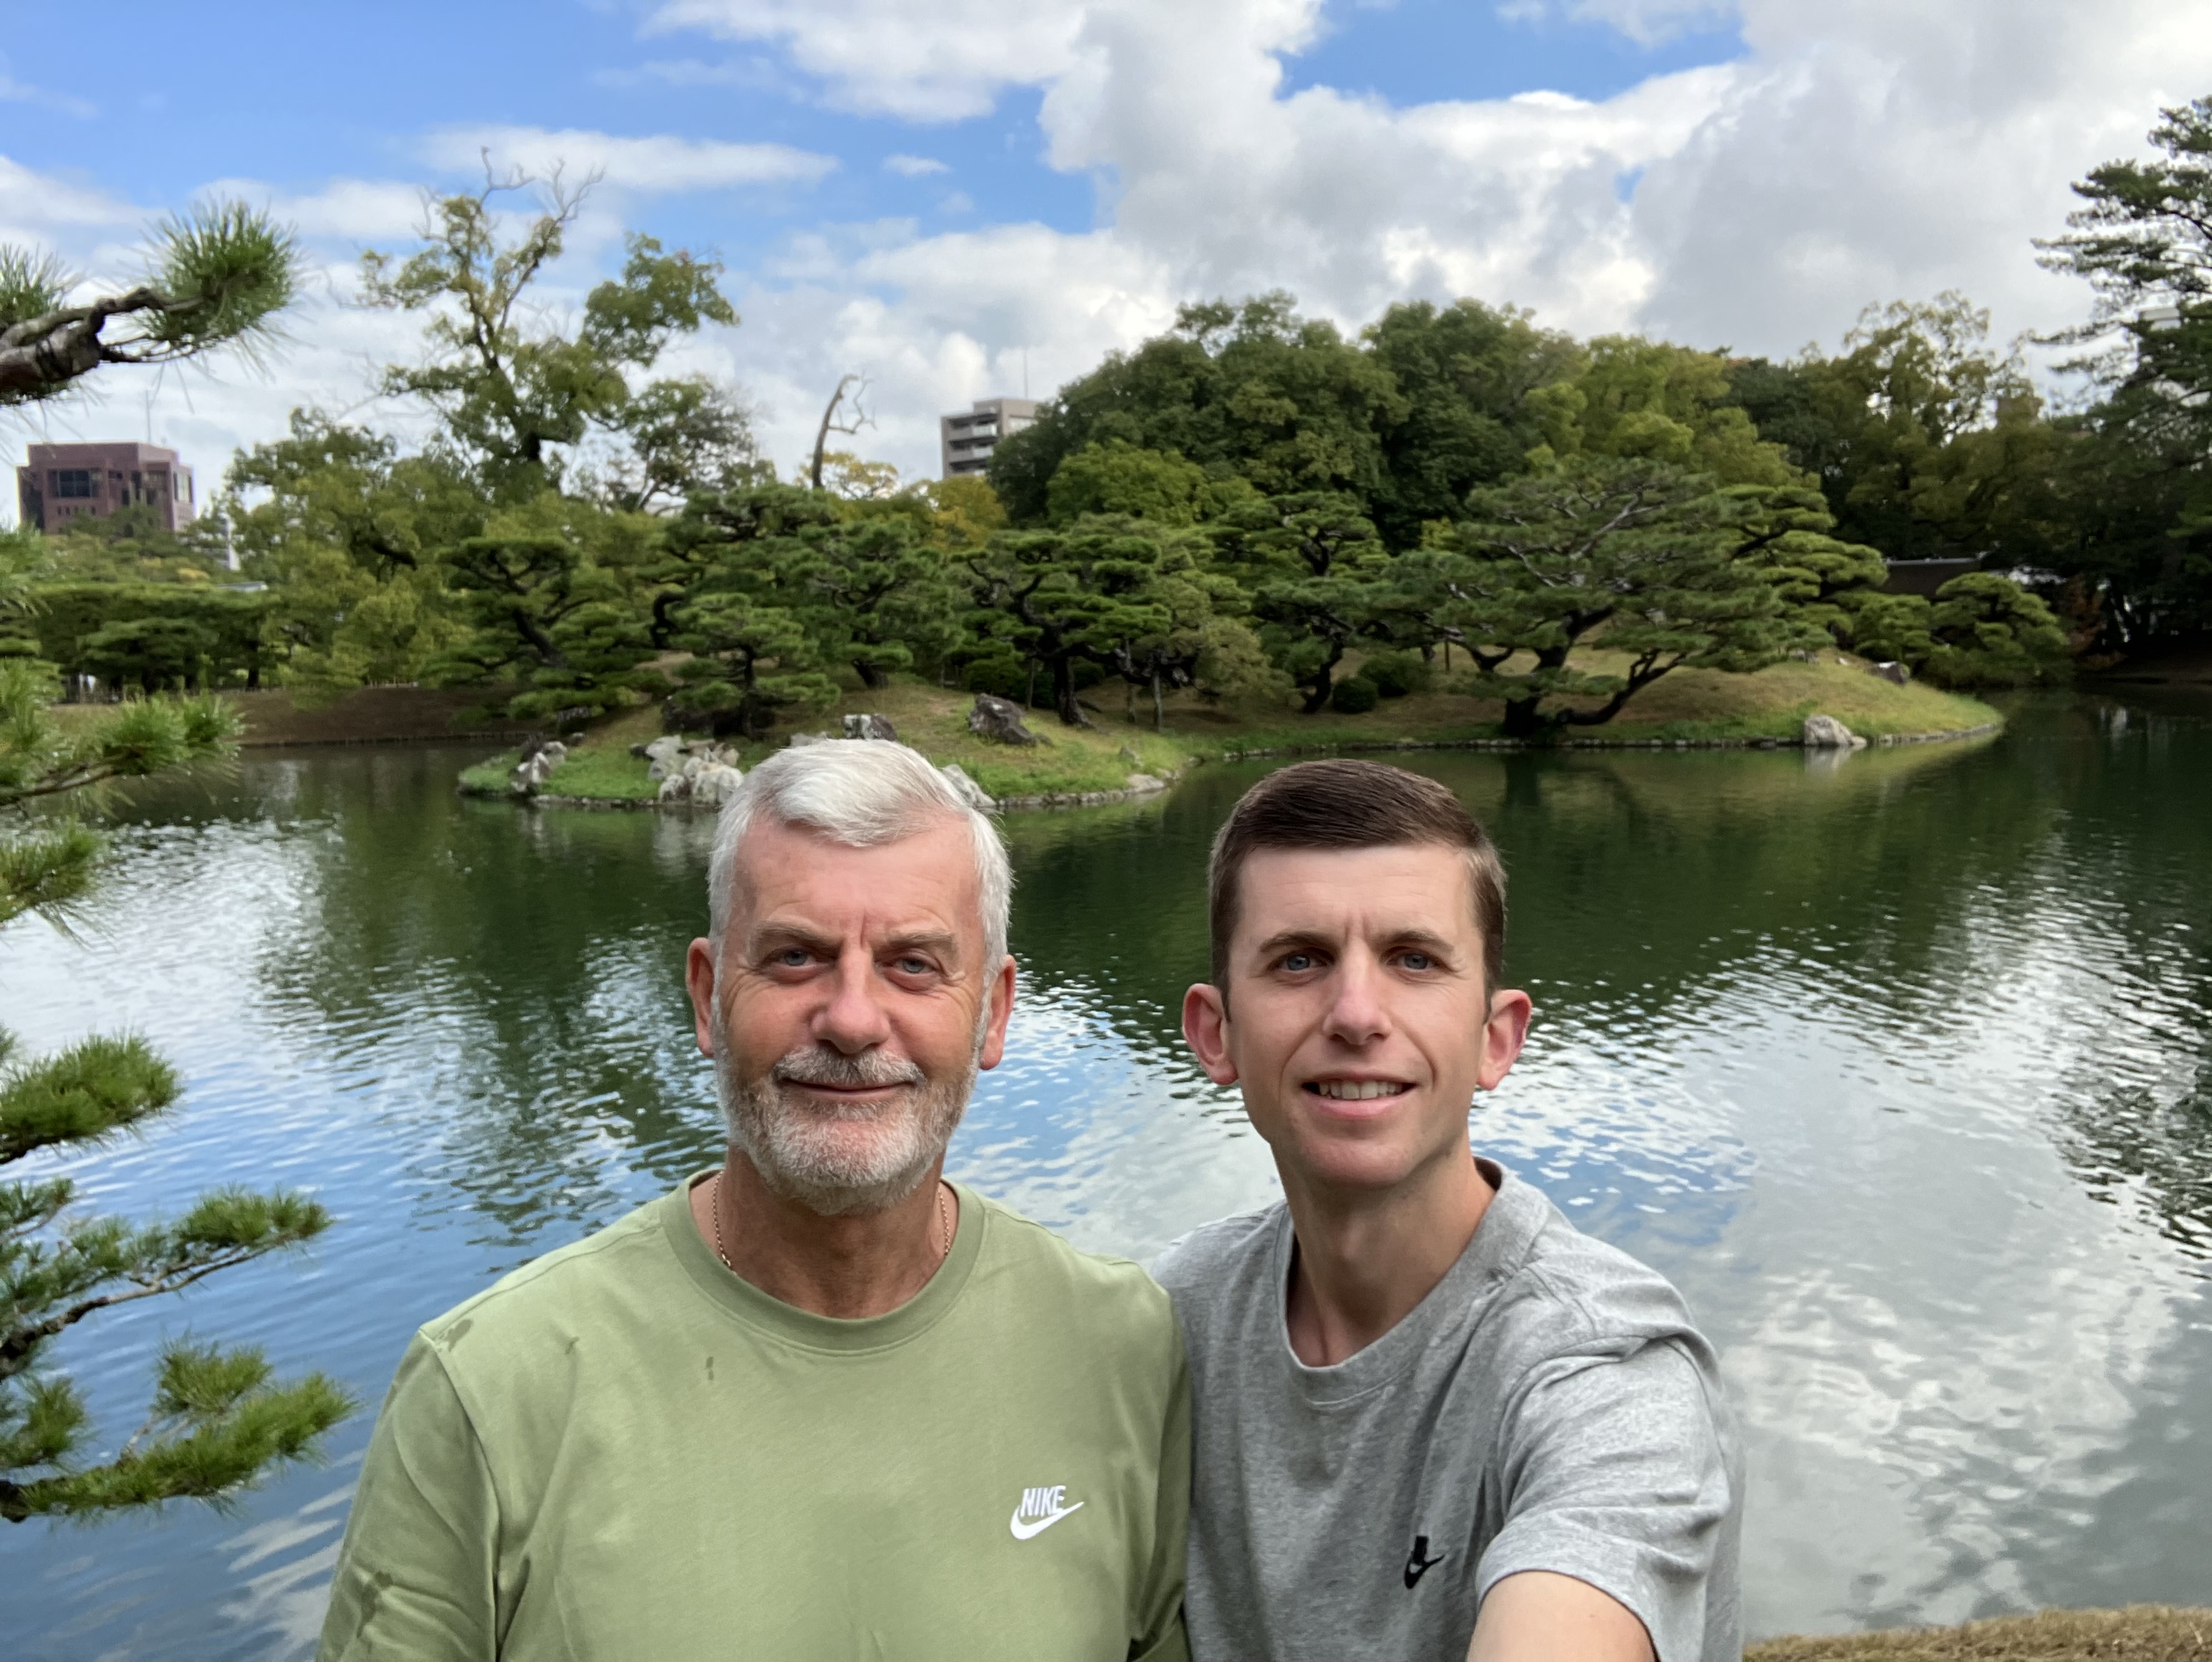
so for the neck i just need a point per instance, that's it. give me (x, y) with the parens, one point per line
(1365, 1257)
(862, 1264)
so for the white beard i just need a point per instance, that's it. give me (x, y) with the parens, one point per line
(834, 1160)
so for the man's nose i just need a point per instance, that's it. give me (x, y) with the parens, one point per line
(853, 1019)
(1358, 1013)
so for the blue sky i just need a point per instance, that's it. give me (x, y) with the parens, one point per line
(930, 191)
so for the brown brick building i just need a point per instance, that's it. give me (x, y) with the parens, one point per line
(60, 482)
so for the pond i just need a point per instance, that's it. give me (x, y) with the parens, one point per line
(1900, 1063)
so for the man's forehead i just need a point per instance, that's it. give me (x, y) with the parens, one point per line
(790, 877)
(1395, 886)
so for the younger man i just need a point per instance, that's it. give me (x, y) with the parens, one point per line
(1431, 1419)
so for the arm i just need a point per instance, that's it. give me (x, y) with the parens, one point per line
(416, 1575)
(1540, 1616)
(1159, 1618)
(1618, 1536)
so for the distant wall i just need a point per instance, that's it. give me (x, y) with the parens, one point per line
(1925, 576)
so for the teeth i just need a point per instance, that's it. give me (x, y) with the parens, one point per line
(1357, 1090)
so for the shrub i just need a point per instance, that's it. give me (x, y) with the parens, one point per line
(1396, 673)
(1355, 696)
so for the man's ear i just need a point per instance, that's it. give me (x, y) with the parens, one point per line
(1206, 1029)
(699, 978)
(1000, 992)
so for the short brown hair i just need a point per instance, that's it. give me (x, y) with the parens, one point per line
(1344, 804)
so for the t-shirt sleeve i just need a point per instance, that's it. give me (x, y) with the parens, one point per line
(1158, 1617)
(1617, 1474)
(416, 1574)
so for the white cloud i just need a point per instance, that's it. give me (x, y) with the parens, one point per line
(914, 167)
(1860, 150)
(13, 91)
(657, 164)
(1646, 21)
(923, 60)
(35, 207)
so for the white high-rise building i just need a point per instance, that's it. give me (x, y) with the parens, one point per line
(967, 441)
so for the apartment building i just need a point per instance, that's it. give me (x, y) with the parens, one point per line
(966, 441)
(60, 482)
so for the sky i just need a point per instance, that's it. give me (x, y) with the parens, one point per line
(959, 199)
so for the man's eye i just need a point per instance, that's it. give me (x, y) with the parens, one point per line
(1297, 963)
(1417, 960)
(792, 958)
(911, 966)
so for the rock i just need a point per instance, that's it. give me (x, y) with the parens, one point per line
(998, 721)
(970, 792)
(1142, 782)
(694, 764)
(663, 750)
(674, 788)
(553, 753)
(726, 754)
(798, 740)
(529, 773)
(1894, 672)
(714, 784)
(871, 726)
(1827, 732)
(1130, 757)
(655, 773)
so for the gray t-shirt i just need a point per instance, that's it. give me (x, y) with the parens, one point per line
(1548, 1406)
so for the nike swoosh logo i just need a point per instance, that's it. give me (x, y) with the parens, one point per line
(1039, 1526)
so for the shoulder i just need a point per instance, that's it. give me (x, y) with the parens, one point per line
(1215, 1253)
(1110, 1297)
(544, 1300)
(1580, 1289)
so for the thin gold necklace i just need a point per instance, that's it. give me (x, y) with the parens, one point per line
(944, 1224)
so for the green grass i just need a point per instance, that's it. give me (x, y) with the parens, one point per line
(1695, 705)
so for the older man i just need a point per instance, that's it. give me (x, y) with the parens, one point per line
(818, 1403)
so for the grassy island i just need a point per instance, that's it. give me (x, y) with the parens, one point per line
(1688, 708)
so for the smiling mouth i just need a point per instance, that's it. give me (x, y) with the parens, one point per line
(1357, 1090)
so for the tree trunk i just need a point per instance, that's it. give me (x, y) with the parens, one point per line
(871, 673)
(1159, 709)
(1063, 689)
(1522, 720)
(1317, 694)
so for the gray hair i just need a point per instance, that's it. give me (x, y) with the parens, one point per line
(860, 792)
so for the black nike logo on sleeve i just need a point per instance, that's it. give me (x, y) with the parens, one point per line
(1418, 1562)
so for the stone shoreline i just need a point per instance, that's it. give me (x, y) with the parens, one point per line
(1044, 801)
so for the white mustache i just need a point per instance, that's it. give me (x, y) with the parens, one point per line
(818, 1065)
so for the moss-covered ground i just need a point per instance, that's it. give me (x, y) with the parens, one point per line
(1692, 706)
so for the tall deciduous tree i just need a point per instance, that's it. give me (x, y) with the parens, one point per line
(1251, 390)
(514, 390)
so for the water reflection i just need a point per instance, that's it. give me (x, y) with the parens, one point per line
(1898, 1062)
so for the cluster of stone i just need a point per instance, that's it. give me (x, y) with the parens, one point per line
(700, 772)
(528, 776)
(1827, 732)
(1000, 720)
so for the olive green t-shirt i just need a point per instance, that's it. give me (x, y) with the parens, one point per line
(624, 1449)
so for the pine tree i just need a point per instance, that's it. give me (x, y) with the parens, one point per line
(218, 1419)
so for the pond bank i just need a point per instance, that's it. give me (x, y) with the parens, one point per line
(1118, 760)
(2142, 1633)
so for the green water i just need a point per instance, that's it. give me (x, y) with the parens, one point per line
(1900, 1063)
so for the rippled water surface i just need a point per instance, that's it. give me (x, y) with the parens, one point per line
(1901, 1066)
